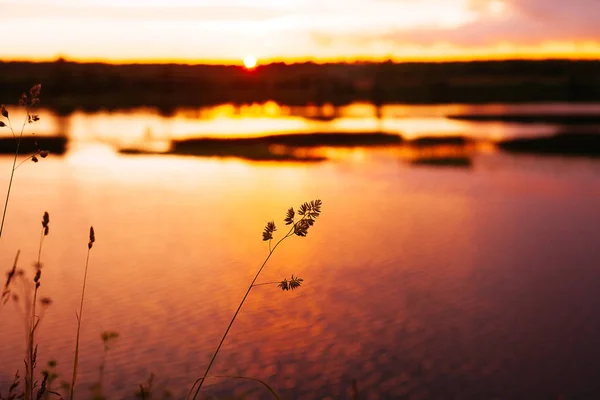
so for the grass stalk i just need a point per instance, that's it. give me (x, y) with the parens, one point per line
(200, 382)
(5, 295)
(299, 228)
(33, 318)
(28, 101)
(14, 167)
(79, 316)
(248, 378)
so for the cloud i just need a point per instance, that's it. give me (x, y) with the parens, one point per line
(520, 22)
(129, 11)
(297, 28)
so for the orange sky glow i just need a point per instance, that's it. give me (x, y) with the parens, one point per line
(227, 31)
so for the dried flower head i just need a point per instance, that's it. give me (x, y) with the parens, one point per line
(294, 283)
(2, 124)
(34, 358)
(309, 212)
(10, 275)
(45, 222)
(34, 159)
(4, 111)
(13, 387)
(289, 218)
(44, 153)
(312, 209)
(108, 336)
(35, 91)
(269, 229)
(31, 99)
(46, 301)
(92, 237)
(43, 386)
(301, 228)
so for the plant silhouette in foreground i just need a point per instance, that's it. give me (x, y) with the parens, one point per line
(76, 358)
(308, 213)
(50, 372)
(29, 101)
(11, 276)
(301, 221)
(12, 390)
(108, 337)
(30, 362)
(27, 305)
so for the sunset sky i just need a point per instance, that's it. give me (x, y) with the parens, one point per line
(228, 30)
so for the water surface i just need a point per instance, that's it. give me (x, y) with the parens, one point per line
(422, 282)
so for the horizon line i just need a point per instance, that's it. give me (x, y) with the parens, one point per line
(305, 60)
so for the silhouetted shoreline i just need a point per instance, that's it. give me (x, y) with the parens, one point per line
(94, 86)
(555, 119)
(450, 140)
(285, 147)
(565, 144)
(316, 139)
(272, 147)
(31, 144)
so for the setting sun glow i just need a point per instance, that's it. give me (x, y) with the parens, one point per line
(298, 30)
(250, 62)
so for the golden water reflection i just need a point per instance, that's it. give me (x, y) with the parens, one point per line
(228, 120)
(419, 282)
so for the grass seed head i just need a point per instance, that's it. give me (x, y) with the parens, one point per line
(269, 229)
(92, 237)
(45, 222)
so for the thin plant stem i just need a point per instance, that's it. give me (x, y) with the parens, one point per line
(40, 249)
(31, 334)
(76, 359)
(10, 126)
(6, 289)
(200, 381)
(265, 384)
(102, 367)
(12, 172)
(26, 311)
(33, 326)
(267, 283)
(29, 157)
(30, 352)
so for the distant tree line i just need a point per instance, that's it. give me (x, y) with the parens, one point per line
(92, 86)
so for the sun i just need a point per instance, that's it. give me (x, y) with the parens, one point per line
(250, 62)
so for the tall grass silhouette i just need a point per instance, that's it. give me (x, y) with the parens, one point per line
(80, 314)
(29, 101)
(308, 213)
(30, 303)
(30, 364)
(32, 309)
